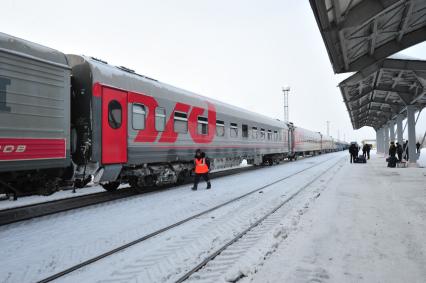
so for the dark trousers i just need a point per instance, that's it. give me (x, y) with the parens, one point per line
(368, 154)
(364, 153)
(400, 157)
(197, 179)
(353, 156)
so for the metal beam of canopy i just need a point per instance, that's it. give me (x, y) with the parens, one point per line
(382, 91)
(358, 33)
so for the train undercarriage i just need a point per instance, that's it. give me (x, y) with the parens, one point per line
(139, 177)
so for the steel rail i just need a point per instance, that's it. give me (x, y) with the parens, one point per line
(31, 211)
(164, 229)
(255, 224)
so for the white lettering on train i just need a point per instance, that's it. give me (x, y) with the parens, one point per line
(13, 148)
(21, 148)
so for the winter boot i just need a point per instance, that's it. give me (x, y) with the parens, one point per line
(209, 185)
(194, 188)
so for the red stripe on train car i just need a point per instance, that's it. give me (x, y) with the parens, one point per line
(15, 149)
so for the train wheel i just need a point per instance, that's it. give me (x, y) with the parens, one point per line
(150, 180)
(111, 186)
(48, 188)
(137, 184)
(46, 191)
(181, 178)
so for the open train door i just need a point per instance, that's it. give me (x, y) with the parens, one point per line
(114, 126)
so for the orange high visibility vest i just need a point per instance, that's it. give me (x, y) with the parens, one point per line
(201, 166)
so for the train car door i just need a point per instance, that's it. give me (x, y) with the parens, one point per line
(291, 139)
(114, 126)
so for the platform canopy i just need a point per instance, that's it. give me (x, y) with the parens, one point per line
(378, 93)
(357, 33)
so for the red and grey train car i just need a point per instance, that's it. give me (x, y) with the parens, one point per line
(75, 118)
(34, 115)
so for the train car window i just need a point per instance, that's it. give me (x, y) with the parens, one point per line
(254, 132)
(262, 134)
(269, 135)
(234, 130)
(114, 114)
(138, 116)
(244, 129)
(203, 126)
(160, 119)
(275, 136)
(181, 122)
(220, 128)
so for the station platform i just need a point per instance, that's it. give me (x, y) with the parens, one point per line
(369, 225)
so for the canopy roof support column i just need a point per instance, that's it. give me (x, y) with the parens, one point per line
(392, 130)
(377, 141)
(411, 124)
(386, 139)
(399, 132)
(380, 140)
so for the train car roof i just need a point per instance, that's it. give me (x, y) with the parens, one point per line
(324, 136)
(31, 50)
(125, 77)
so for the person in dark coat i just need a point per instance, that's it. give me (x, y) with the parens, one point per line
(353, 151)
(399, 151)
(201, 169)
(418, 147)
(368, 150)
(405, 149)
(364, 150)
(392, 150)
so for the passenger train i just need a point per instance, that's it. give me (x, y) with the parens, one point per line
(69, 119)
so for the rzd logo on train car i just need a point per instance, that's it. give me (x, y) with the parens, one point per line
(169, 135)
(13, 148)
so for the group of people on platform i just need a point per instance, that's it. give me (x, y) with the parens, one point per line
(398, 150)
(354, 151)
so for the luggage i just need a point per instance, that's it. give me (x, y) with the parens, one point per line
(391, 161)
(360, 159)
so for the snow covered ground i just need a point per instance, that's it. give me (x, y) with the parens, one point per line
(369, 225)
(356, 223)
(35, 249)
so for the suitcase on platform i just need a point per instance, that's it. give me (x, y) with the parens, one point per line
(391, 161)
(360, 159)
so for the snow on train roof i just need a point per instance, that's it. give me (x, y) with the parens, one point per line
(107, 71)
(36, 51)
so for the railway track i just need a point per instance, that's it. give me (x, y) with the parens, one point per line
(27, 212)
(179, 223)
(238, 245)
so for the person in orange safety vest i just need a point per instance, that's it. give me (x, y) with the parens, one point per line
(201, 169)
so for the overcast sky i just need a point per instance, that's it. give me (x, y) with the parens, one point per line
(241, 52)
